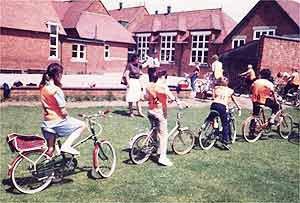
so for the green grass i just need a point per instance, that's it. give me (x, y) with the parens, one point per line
(264, 171)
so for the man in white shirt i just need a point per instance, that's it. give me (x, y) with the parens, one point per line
(152, 63)
(217, 67)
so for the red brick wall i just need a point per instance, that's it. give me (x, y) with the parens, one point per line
(268, 14)
(279, 54)
(22, 50)
(95, 62)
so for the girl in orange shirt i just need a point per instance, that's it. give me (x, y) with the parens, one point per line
(56, 120)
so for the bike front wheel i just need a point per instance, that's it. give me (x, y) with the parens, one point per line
(104, 160)
(252, 129)
(31, 173)
(285, 127)
(183, 142)
(141, 149)
(207, 136)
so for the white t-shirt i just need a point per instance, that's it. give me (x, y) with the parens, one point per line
(151, 63)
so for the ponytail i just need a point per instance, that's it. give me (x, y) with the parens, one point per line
(54, 70)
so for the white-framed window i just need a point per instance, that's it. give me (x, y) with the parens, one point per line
(199, 50)
(79, 52)
(263, 30)
(167, 47)
(106, 52)
(238, 41)
(53, 44)
(143, 45)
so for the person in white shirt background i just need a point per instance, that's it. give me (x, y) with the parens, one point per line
(151, 63)
(217, 67)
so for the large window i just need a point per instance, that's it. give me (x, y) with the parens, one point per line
(263, 31)
(53, 29)
(167, 47)
(106, 52)
(238, 41)
(199, 51)
(143, 45)
(78, 52)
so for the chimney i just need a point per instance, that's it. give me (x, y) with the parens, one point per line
(168, 9)
(120, 5)
(156, 12)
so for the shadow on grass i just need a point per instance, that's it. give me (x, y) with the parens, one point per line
(121, 112)
(294, 138)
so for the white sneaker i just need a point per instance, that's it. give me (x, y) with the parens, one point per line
(70, 150)
(165, 162)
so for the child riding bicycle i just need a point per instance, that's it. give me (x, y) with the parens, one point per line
(221, 97)
(56, 120)
(157, 94)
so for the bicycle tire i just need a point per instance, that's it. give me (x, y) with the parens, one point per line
(183, 142)
(141, 149)
(233, 131)
(37, 180)
(105, 160)
(252, 135)
(207, 137)
(286, 123)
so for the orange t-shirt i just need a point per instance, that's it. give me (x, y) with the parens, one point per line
(52, 111)
(157, 96)
(222, 94)
(296, 79)
(261, 91)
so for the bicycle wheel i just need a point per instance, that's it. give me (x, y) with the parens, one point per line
(141, 149)
(183, 142)
(233, 131)
(286, 126)
(31, 176)
(252, 129)
(104, 160)
(208, 136)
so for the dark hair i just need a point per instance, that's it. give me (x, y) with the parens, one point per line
(133, 57)
(54, 70)
(265, 74)
(161, 73)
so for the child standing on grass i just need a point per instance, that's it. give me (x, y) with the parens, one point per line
(157, 93)
(56, 120)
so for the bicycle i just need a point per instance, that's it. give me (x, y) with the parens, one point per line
(144, 145)
(256, 126)
(291, 98)
(186, 83)
(212, 130)
(32, 171)
(243, 87)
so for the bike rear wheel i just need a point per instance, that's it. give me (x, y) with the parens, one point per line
(252, 130)
(105, 160)
(208, 136)
(31, 177)
(286, 126)
(183, 142)
(141, 149)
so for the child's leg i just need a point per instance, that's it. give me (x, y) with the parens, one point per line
(50, 138)
(139, 109)
(130, 108)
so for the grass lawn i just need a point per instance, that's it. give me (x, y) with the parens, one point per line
(264, 171)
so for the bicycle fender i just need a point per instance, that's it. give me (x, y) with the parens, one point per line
(183, 128)
(132, 140)
(12, 164)
(95, 155)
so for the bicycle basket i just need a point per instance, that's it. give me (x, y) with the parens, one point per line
(22, 143)
(183, 84)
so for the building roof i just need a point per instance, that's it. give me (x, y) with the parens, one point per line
(102, 27)
(91, 23)
(28, 15)
(291, 8)
(208, 19)
(128, 14)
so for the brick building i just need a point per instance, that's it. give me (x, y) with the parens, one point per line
(81, 35)
(267, 37)
(179, 38)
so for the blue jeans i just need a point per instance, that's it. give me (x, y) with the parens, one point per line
(224, 116)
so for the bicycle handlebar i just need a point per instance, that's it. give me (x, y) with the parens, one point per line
(98, 114)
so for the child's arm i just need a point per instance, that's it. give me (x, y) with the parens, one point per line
(60, 99)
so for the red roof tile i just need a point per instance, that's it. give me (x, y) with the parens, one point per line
(128, 14)
(292, 8)
(189, 20)
(102, 27)
(28, 15)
